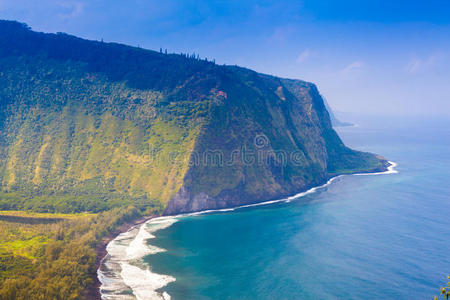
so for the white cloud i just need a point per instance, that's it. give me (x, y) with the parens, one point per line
(303, 56)
(71, 9)
(281, 34)
(351, 68)
(416, 64)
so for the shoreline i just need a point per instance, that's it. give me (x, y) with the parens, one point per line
(389, 168)
(93, 292)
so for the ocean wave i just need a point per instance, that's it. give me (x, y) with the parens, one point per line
(145, 283)
(390, 170)
(123, 274)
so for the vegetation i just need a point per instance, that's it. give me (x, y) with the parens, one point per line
(41, 216)
(96, 151)
(41, 258)
(445, 291)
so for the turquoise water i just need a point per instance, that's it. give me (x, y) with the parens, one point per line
(372, 237)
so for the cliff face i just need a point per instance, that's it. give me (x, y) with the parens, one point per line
(88, 125)
(271, 139)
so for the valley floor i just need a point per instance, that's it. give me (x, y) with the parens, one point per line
(53, 256)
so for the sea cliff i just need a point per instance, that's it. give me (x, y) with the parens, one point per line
(87, 126)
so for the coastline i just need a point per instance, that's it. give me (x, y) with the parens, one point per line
(389, 168)
(93, 292)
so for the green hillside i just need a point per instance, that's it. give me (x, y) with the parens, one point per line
(87, 126)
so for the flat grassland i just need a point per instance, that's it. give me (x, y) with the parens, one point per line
(52, 256)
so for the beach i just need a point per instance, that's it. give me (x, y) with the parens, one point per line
(93, 291)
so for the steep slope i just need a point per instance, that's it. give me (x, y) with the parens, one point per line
(268, 139)
(334, 120)
(88, 125)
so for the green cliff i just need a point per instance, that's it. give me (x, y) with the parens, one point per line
(86, 126)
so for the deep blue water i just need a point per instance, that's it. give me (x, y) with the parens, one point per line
(371, 237)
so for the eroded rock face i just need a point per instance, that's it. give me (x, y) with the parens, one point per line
(184, 201)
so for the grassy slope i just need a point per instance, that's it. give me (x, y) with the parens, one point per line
(88, 126)
(82, 144)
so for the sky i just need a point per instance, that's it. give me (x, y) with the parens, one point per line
(369, 57)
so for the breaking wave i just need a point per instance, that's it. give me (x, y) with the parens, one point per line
(123, 274)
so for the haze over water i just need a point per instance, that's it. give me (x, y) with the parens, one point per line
(376, 237)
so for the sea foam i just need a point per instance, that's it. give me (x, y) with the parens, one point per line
(123, 273)
(390, 170)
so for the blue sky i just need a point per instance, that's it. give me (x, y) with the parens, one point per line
(390, 57)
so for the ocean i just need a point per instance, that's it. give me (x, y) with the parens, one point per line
(384, 236)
